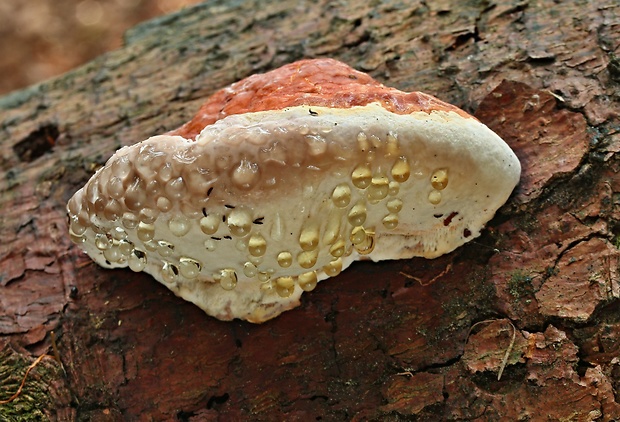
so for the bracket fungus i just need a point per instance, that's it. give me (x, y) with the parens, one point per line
(284, 179)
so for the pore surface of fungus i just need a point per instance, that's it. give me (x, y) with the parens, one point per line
(284, 179)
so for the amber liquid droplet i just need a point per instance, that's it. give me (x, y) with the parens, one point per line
(285, 286)
(361, 176)
(401, 170)
(307, 281)
(228, 279)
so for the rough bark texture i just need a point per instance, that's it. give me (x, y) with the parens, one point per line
(388, 341)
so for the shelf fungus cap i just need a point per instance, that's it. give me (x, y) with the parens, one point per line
(284, 179)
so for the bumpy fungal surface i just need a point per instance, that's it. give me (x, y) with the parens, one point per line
(284, 179)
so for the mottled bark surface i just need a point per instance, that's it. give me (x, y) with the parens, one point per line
(536, 298)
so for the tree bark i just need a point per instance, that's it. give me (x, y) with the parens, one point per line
(522, 323)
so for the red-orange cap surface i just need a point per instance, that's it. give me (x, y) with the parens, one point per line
(312, 82)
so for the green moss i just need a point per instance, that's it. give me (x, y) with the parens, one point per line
(35, 397)
(616, 241)
(520, 284)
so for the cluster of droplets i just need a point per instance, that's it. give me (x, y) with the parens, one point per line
(370, 188)
(242, 225)
(439, 181)
(136, 195)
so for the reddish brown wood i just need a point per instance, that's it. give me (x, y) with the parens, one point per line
(380, 341)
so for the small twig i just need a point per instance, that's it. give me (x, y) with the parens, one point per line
(55, 351)
(508, 350)
(54, 348)
(21, 387)
(482, 245)
(502, 366)
(405, 374)
(432, 280)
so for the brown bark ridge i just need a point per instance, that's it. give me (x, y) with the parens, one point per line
(535, 299)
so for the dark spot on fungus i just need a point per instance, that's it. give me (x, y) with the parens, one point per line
(259, 220)
(216, 238)
(449, 218)
(228, 237)
(209, 191)
(312, 113)
(466, 233)
(232, 207)
(73, 292)
(437, 215)
(204, 212)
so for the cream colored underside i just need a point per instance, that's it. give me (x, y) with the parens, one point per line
(307, 179)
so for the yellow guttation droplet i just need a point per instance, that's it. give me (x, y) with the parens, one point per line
(390, 221)
(357, 214)
(393, 188)
(341, 196)
(241, 245)
(210, 245)
(309, 238)
(337, 249)
(118, 233)
(76, 238)
(378, 189)
(307, 281)
(332, 228)
(361, 176)
(434, 197)
(401, 170)
(307, 259)
(357, 235)
(392, 143)
(179, 226)
(137, 260)
(249, 269)
(169, 272)
(239, 222)
(257, 245)
(113, 254)
(245, 175)
(439, 179)
(267, 286)
(362, 142)
(164, 248)
(151, 246)
(263, 277)
(285, 286)
(102, 242)
(333, 268)
(285, 259)
(394, 205)
(126, 247)
(145, 231)
(189, 268)
(129, 221)
(363, 240)
(76, 228)
(228, 279)
(210, 223)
